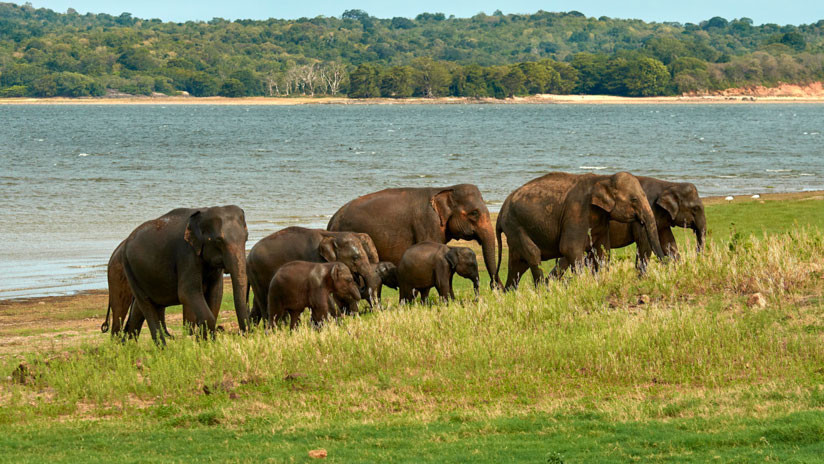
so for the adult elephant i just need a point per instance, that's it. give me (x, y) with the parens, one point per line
(398, 218)
(562, 215)
(674, 204)
(354, 250)
(180, 258)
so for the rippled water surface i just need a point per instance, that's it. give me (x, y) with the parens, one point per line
(76, 180)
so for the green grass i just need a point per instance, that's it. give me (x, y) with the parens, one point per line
(578, 371)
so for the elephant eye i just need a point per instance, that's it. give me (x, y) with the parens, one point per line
(475, 213)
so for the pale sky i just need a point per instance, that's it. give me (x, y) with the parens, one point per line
(760, 11)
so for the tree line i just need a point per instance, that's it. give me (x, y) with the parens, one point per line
(44, 53)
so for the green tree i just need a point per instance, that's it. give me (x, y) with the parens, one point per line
(431, 78)
(469, 81)
(364, 81)
(644, 77)
(592, 71)
(232, 88)
(137, 59)
(396, 82)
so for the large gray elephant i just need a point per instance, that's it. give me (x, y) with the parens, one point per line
(398, 218)
(674, 204)
(180, 258)
(354, 250)
(562, 215)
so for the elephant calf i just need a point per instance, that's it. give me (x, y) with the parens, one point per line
(388, 275)
(300, 284)
(429, 264)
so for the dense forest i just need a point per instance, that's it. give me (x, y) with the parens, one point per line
(45, 53)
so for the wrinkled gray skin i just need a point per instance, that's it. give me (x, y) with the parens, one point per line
(298, 285)
(674, 204)
(562, 215)
(429, 264)
(180, 258)
(354, 250)
(398, 218)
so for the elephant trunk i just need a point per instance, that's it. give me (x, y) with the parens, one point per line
(486, 237)
(368, 271)
(700, 229)
(236, 267)
(652, 232)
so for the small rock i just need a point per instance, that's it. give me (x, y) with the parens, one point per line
(318, 454)
(233, 396)
(756, 300)
(644, 299)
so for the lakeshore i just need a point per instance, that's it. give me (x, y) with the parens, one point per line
(305, 100)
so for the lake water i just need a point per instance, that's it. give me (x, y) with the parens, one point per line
(75, 180)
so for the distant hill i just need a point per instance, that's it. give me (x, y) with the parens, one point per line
(45, 53)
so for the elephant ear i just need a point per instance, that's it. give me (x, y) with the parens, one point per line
(602, 197)
(441, 202)
(336, 272)
(452, 258)
(669, 201)
(369, 247)
(193, 234)
(327, 249)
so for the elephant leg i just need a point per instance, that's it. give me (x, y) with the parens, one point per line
(194, 303)
(598, 255)
(134, 323)
(294, 318)
(573, 252)
(668, 243)
(405, 294)
(531, 254)
(162, 313)
(120, 299)
(424, 293)
(150, 312)
(516, 268)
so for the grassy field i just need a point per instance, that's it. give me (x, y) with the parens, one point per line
(677, 366)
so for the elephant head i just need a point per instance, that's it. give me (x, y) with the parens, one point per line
(342, 284)
(348, 248)
(622, 197)
(388, 274)
(462, 260)
(218, 235)
(463, 215)
(685, 208)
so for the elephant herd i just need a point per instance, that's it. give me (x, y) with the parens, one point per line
(394, 237)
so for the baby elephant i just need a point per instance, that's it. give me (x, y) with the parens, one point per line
(429, 264)
(300, 284)
(388, 275)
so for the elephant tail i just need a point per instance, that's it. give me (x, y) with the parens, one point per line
(105, 326)
(500, 246)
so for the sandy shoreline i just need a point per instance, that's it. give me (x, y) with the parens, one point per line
(290, 101)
